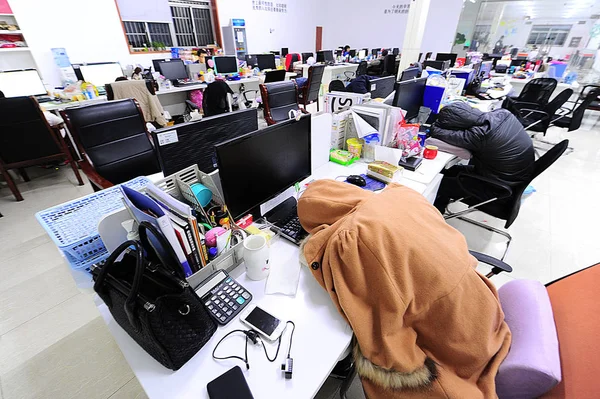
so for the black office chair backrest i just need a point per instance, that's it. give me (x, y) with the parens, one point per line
(315, 76)
(275, 76)
(24, 132)
(362, 69)
(538, 91)
(543, 163)
(215, 100)
(337, 85)
(114, 137)
(279, 99)
(558, 101)
(389, 65)
(577, 117)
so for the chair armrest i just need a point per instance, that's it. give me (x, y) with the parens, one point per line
(518, 104)
(93, 176)
(497, 265)
(499, 190)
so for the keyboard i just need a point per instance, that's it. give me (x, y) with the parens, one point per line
(291, 228)
(43, 99)
(186, 84)
(223, 297)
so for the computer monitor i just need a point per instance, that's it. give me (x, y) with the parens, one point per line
(339, 52)
(266, 61)
(156, 63)
(362, 54)
(325, 56)
(486, 69)
(306, 56)
(21, 83)
(382, 87)
(259, 166)
(409, 96)
(409, 74)
(173, 70)
(447, 56)
(226, 64)
(352, 53)
(196, 140)
(251, 60)
(101, 73)
(375, 51)
(284, 51)
(396, 51)
(274, 52)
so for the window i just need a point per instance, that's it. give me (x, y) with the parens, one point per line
(191, 26)
(148, 34)
(193, 22)
(549, 35)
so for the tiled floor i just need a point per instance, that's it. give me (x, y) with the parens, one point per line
(53, 343)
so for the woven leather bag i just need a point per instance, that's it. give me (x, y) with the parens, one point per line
(147, 294)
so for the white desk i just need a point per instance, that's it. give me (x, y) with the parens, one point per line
(333, 72)
(57, 106)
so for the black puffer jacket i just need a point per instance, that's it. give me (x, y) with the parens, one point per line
(500, 146)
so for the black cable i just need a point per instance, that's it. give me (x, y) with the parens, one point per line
(254, 337)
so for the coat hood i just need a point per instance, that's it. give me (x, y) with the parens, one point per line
(460, 115)
(326, 201)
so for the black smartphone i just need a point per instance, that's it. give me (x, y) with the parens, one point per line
(230, 385)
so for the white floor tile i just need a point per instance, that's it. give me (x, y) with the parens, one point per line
(33, 337)
(131, 390)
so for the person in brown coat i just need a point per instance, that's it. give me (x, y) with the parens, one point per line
(427, 325)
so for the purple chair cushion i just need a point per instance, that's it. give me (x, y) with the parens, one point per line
(532, 366)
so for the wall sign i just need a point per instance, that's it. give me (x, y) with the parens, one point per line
(575, 41)
(398, 8)
(269, 6)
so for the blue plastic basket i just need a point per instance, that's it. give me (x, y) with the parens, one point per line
(73, 226)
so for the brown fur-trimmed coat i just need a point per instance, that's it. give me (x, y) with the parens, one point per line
(426, 323)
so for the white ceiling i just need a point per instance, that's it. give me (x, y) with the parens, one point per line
(538, 9)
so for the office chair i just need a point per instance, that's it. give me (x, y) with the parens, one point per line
(337, 85)
(151, 107)
(275, 76)
(362, 68)
(279, 99)
(27, 139)
(389, 66)
(505, 201)
(536, 91)
(290, 59)
(110, 95)
(310, 92)
(574, 122)
(594, 105)
(113, 142)
(216, 99)
(537, 118)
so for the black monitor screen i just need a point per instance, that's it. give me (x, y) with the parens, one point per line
(409, 74)
(259, 166)
(396, 51)
(375, 51)
(447, 57)
(266, 61)
(352, 53)
(196, 140)
(306, 56)
(156, 63)
(251, 60)
(226, 64)
(173, 70)
(409, 96)
(382, 87)
(325, 56)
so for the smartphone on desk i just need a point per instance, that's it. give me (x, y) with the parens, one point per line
(267, 325)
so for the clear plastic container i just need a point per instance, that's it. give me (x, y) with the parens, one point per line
(368, 152)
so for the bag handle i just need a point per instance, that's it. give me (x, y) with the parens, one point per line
(140, 267)
(172, 264)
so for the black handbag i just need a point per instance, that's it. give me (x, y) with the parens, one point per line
(147, 294)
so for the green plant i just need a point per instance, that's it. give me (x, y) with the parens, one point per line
(159, 45)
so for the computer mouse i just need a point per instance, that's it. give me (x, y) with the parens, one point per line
(356, 180)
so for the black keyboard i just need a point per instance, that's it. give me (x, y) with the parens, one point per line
(291, 228)
(43, 99)
(184, 84)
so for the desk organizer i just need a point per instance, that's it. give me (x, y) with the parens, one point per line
(179, 185)
(73, 226)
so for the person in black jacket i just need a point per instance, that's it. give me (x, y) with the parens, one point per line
(501, 149)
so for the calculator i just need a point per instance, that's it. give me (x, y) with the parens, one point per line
(223, 297)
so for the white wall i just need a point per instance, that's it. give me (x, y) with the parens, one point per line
(442, 22)
(267, 31)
